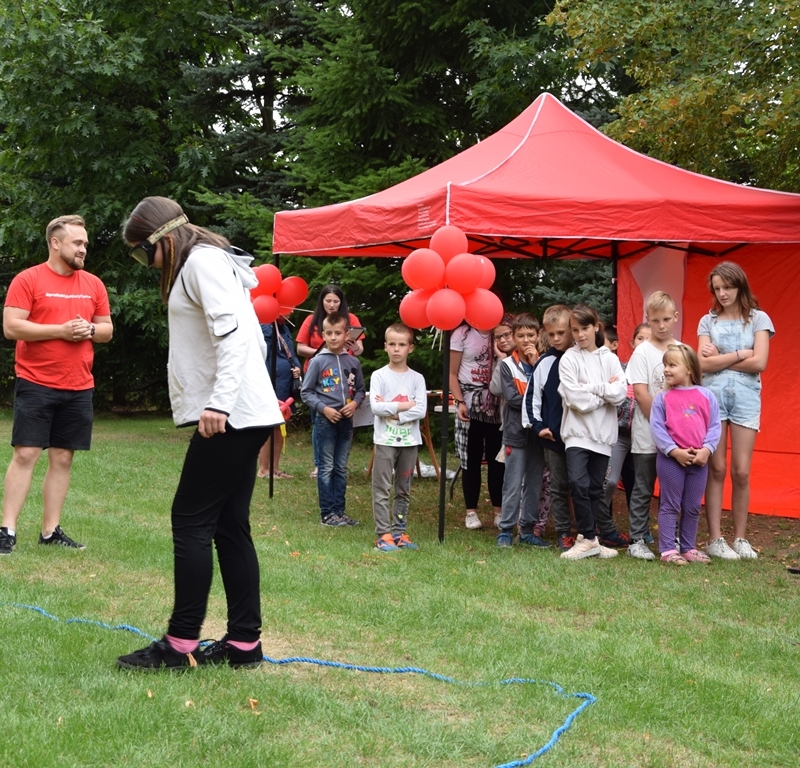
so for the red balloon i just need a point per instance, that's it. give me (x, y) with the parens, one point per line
(413, 309)
(293, 291)
(463, 273)
(446, 309)
(269, 280)
(484, 310)
(448, 242)
(423, 269)
(267, 309)
(488, 273)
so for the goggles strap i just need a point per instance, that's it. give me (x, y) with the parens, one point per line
(167, 228)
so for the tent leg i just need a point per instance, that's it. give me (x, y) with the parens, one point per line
(445, 430)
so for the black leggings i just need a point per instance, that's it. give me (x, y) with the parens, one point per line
(213, 503)
(483, 440)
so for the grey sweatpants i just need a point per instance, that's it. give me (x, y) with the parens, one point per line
(401, 461)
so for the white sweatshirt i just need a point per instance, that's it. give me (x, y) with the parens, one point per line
(217, 351)
(590, 398)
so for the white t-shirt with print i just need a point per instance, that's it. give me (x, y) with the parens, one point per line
(475, 368)
(646, 366)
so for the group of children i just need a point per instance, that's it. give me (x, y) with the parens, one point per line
(571, 413)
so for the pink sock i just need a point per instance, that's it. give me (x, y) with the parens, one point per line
(241, 646)
(182, 646)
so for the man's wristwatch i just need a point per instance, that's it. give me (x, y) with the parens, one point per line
(91, 332)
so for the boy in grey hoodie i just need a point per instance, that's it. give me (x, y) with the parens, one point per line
(334, 388)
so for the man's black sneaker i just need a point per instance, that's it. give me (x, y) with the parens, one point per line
(157, 656)
(222, 652)
(7, 542)
(59, 538)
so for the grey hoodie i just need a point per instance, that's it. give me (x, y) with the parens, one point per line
(332, 380)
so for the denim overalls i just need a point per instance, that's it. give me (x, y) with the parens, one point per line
(738, 393)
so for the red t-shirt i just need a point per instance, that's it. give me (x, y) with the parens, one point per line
(315, 340)
(54, 299)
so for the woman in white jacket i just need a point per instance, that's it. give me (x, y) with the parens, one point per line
(218, 382)
(592, 386)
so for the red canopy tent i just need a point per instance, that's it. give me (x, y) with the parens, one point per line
(550, 185)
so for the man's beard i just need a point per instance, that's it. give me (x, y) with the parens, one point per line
(73, 262)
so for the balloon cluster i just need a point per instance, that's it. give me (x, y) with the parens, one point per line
(449, 285)
(275, 295)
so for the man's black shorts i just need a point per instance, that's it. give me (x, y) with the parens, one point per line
(52, 418)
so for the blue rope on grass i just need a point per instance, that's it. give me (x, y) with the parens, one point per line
(587, 698)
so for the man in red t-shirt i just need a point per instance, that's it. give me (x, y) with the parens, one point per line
(55, 312)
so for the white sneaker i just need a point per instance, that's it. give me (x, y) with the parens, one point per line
(607, 552)
(719, 548)
(472, 521)
(742, 548)
(582, 548)
(640, 550)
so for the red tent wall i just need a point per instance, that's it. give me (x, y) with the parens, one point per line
(775, 475)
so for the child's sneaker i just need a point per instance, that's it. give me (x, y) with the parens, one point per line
(505, 539)
(564, 541)
(7, 542)
(742, 548)
(616, 540)
(582, 548)
(349, 520)
(672, 557)
(640, 551)
(60, 539)
(403, 542)
(157, 656)
(648, 538)
(386, 544)
(532, 540)
(719, 548)
(334, 521)
(472, 521)
(222, 652)
(538, 530)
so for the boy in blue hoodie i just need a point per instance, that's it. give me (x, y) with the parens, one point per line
(334, 388)
(542, 413)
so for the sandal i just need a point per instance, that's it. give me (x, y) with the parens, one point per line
(281, 475)
(673, 558)
(696, 556)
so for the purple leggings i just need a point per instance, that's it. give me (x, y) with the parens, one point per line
(682, 491)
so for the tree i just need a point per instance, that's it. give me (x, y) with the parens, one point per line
(716, 81)
(103, 103)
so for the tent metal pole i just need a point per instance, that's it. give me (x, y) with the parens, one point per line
(445, 429)
(614, 259)
(273, 375)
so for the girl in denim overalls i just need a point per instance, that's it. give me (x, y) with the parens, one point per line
(733, 346)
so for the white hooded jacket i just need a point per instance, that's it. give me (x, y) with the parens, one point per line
(590, 398)
(216, 348)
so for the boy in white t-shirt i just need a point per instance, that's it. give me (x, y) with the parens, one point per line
(398, 399)
(645, 372)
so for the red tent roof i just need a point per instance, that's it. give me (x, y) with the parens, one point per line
(548, 184)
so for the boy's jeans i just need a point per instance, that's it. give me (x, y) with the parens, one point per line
(644, 484)
(333, 443)
(559, 490)
(522, 486)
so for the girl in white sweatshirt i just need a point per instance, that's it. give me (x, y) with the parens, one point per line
(592, 386)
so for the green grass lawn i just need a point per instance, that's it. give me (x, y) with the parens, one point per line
(690, 667)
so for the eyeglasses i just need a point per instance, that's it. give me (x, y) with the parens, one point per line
(145, 252)
(506, 335)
